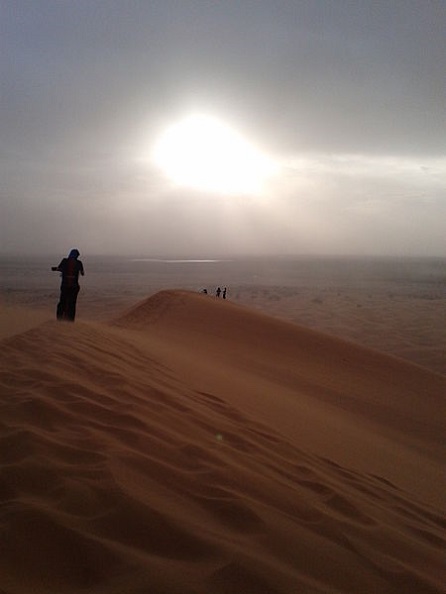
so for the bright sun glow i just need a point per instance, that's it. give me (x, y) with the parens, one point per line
(203, 153)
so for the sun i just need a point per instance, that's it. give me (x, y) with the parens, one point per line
(203, 153)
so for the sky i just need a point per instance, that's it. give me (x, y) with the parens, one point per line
(196, 128)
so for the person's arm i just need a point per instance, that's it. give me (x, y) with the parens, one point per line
(57, 268)
(81, 269)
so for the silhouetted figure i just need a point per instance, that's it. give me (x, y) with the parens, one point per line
(224, 293)
(218, 291)
(204, 291)
(70, 268)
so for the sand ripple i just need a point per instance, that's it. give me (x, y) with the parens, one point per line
(130, 464)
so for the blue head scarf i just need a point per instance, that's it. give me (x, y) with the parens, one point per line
(74, 253)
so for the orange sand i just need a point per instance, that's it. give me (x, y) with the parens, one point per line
(195, 446)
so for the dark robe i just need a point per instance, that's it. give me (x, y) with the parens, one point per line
(69, 288)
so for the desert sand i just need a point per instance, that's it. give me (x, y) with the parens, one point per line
(193, 445)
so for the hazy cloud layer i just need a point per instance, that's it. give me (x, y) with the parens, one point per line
(348, 97)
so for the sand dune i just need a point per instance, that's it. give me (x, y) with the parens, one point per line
(196, 446)
(16, 319)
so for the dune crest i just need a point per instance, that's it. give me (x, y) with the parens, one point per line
(196, 446)
(16, 319)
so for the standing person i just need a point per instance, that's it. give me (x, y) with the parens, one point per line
(224, 293)
(70, 268)
(218, 291)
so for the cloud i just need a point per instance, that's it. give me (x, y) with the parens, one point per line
(348, 97)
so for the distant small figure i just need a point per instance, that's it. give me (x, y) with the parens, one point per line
(218, 292)
(70, 268)
(204, 291)
(224, 293)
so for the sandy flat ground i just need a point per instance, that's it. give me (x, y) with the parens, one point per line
(411, 326)
(195, 445)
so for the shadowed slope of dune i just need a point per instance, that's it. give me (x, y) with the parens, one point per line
(320, 391)
(158, 455)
